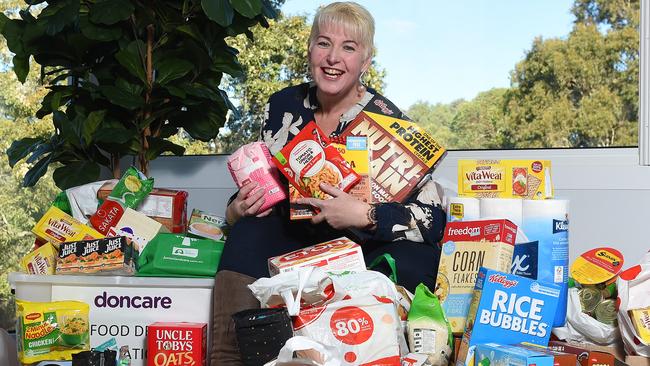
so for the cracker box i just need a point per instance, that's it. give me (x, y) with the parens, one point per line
(57, 227)
(310, 159)
(176, 344)
(468, 246)
(338, 254)
(641, 321)
(401, 154)
(354, 150)
(508, 309)
(207, 225)
(499, 354)
(528, 179)
(41, 261)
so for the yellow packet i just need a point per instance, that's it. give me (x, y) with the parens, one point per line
(51, 330)
(41, 261)
(526, 179)
(641, 320)
(58, 227)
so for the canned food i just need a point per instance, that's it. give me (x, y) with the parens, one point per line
(606, 312)
(590, 297)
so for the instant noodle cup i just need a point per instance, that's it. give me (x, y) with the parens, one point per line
(51, 330)
(310, 159)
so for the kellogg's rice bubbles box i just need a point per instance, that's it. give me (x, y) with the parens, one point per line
(176, 344)
(468, 246)
(340, 254)
(508, 309)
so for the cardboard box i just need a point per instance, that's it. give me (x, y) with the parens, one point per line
(559, 358)
(207, 225)
(337, 254)
(57, 227)
(637, 360)
(499, 354)
(138, 227)
(97, 256)
(529, 179)
(177, 344)
(587, 355)
(508, 309)
(468, 246)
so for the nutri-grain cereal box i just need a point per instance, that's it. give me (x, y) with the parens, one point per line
(466, 247)
(508, 309)
(176, 344)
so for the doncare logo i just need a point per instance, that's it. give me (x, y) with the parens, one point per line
(185, 252)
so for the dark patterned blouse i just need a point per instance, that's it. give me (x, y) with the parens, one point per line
(420, 218)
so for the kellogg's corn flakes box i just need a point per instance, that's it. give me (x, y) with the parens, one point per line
(508, 309)
(527, 179)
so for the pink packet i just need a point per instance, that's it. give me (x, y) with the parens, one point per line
(252, 162)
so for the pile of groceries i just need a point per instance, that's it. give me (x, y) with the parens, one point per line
(505, 293)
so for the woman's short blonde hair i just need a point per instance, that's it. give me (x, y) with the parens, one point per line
(352, 17)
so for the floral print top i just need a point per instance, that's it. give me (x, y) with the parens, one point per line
(420, 218)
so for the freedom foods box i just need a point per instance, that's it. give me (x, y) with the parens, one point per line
(528, 179)
(401, 154)
(508, 309)
(466, 247)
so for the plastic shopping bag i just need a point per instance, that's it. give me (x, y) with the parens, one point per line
(633, 289)
(308, 353)
(581, 327)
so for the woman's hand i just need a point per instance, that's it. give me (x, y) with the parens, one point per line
(246, 204)
(342, 211)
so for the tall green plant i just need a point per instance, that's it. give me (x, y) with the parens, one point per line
(123, 76)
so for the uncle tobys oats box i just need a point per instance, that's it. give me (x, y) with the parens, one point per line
(466, 247)
(508, 309)
(177, 344)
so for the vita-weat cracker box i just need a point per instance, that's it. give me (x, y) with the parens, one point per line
(466, 247)
(401, 154)
(527, 179)
(508, 309)
(338, 254)
(57, 227)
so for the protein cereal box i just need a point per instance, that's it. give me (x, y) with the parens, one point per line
(57, 227)
(338, 254)
(493, 354)
(310, 159)
(466, 247)
(508, 309)
(355, 151)
(401, 154)
(176, 344)
(527, 179)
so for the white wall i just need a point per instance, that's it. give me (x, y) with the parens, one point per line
(609, 191)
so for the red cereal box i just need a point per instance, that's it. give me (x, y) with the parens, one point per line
(310, 159)
(176, 344)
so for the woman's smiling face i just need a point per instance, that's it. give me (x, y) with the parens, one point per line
(336, 61)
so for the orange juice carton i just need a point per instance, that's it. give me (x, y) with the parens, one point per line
(527, 179)
(105, 256)
(207, 225)
(401, 154)
(177, 344)
(500, 354)
(466, 247)
(338, 254)
(41, 261)
(57, 227)
(252, 163)
(354, 150)
(508, 309)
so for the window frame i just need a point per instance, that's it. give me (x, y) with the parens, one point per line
(644, 84)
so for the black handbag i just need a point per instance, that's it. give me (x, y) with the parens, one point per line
(261, 333)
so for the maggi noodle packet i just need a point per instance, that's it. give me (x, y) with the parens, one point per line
(310, 159)
(129, 192)
(51, 330)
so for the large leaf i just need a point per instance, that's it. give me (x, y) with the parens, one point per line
(225, 60)
(219, 11)
(92, 123)
(132, 58)
(172, 69)
(114, 135)
(19, 149)
(40, 149)
(201, 91)
(122, 98)
(201, 123)
(21, 67)
(57, 15)
(247, 8)
(110, 12)
(158, 146)
(98, 32)
(76, 174)
(37, 171)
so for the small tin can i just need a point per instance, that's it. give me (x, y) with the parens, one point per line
(606, 312)
(590, 297)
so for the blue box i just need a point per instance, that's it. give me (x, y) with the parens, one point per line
(492, 354)
(508, 309)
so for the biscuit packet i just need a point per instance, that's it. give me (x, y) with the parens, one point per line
(129, 192)
(51, 330)
(310, 159)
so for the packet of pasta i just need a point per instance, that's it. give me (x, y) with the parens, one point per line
(51, 330)
(310, 159)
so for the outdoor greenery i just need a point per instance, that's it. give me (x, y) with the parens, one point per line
(575, 91)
